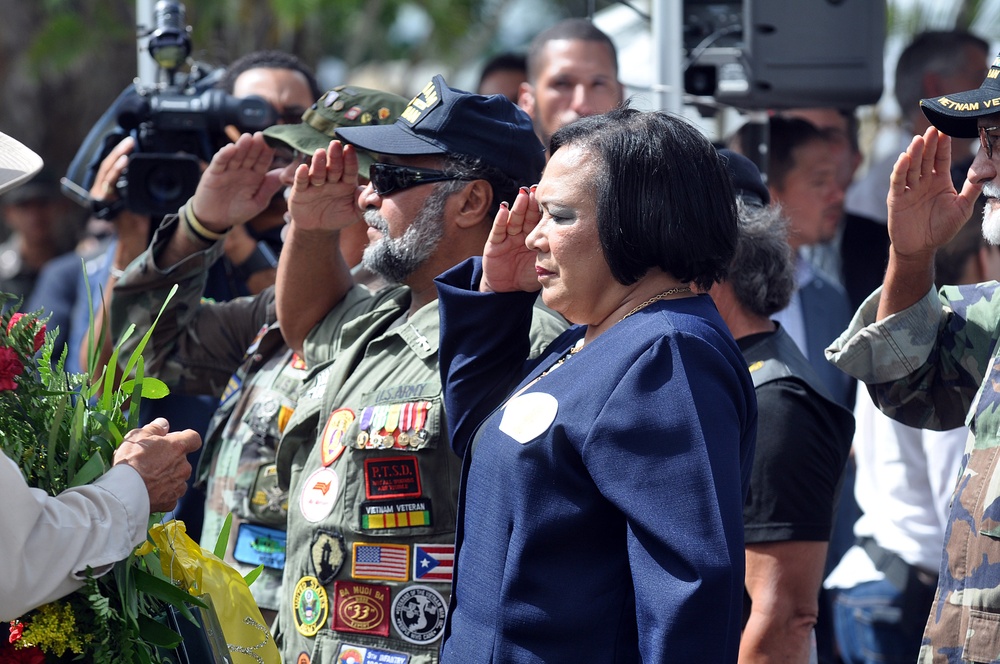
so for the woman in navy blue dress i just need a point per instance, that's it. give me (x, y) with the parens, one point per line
(601, 502)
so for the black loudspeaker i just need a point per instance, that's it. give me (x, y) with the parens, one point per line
(789, 53)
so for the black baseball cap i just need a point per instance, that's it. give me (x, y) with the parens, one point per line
(957, 114)
(747, 182)
(443, 120)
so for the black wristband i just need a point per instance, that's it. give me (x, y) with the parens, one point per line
(262, 258)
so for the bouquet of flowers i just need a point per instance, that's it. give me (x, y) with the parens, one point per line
(62, 430)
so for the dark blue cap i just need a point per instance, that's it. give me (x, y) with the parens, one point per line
(442, 120)
(749, 186)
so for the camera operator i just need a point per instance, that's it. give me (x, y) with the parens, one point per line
(251, 252)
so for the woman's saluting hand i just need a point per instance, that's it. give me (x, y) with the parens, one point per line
(508, 264)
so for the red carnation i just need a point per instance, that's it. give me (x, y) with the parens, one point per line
(16, 629)
(10, 366)
(39, 336)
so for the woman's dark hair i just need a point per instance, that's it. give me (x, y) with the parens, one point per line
(664, 198)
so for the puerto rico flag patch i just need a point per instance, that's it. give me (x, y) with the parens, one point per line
(433, 562)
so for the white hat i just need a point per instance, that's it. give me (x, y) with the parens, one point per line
(17, 163)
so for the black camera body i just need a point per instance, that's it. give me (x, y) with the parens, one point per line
(177, 124)
(175, 131)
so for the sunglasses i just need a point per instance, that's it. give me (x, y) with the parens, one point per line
(987, 138)
(387, 178)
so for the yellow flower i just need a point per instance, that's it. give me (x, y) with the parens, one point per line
(52, 628)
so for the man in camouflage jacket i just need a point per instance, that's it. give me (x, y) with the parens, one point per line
(931, 360)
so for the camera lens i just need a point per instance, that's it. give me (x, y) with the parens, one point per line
(164, 185)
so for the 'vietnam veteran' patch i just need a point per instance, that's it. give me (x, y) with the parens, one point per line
(388, 514)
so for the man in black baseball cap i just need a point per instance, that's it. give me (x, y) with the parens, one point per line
(931, 359)
(372, 478)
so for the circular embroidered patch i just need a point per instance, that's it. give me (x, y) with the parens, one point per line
(309, 606)
(418, 614)
(303, 658)
(319, 494)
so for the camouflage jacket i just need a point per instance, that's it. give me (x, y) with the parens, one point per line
(374, 487)
(233, 349)
(935, 366)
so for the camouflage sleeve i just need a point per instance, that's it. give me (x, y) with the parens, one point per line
(197, 344)
(923, 365)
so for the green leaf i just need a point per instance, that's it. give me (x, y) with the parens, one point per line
(91, 470)
(220, 544)
(137, 353)
(55, 436)
(158, 634)
(151, 388)
(167, 592)
(253, 574)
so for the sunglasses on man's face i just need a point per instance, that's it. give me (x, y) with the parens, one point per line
(387, 178)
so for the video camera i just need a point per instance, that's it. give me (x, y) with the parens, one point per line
(177, 123)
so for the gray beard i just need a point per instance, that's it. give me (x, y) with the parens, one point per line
(395, 259)
(991, 214)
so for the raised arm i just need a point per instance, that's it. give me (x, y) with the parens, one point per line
(312, 274)
(925, 212)
(235, 188)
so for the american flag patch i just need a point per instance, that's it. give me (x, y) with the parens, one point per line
(388, 562)
(433, 562)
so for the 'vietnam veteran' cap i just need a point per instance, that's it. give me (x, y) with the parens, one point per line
(343, 106)
(17, 163)
(443, 120)
(956, 114)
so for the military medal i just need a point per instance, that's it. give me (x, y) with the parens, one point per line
(391, 423)
(420, 420)
(309, 606)
(403, 439)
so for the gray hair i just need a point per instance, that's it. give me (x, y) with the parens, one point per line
(762, 274)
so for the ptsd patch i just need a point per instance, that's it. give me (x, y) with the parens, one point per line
(360, 607)
(388, 514)
(393, 477)
(327, 553)
(319, 494)
(385, 562)
(418, 614)
(353, 654)
(309, 606)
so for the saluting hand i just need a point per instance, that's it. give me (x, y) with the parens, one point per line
(508, 264)
(925, 211)
(237, 185)
(325, 190)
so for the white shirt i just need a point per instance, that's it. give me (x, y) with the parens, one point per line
(904, 484)
(46, 543)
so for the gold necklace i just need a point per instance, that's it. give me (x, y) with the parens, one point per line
(657, 298)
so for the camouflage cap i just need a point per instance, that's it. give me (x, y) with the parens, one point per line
(343, 106)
